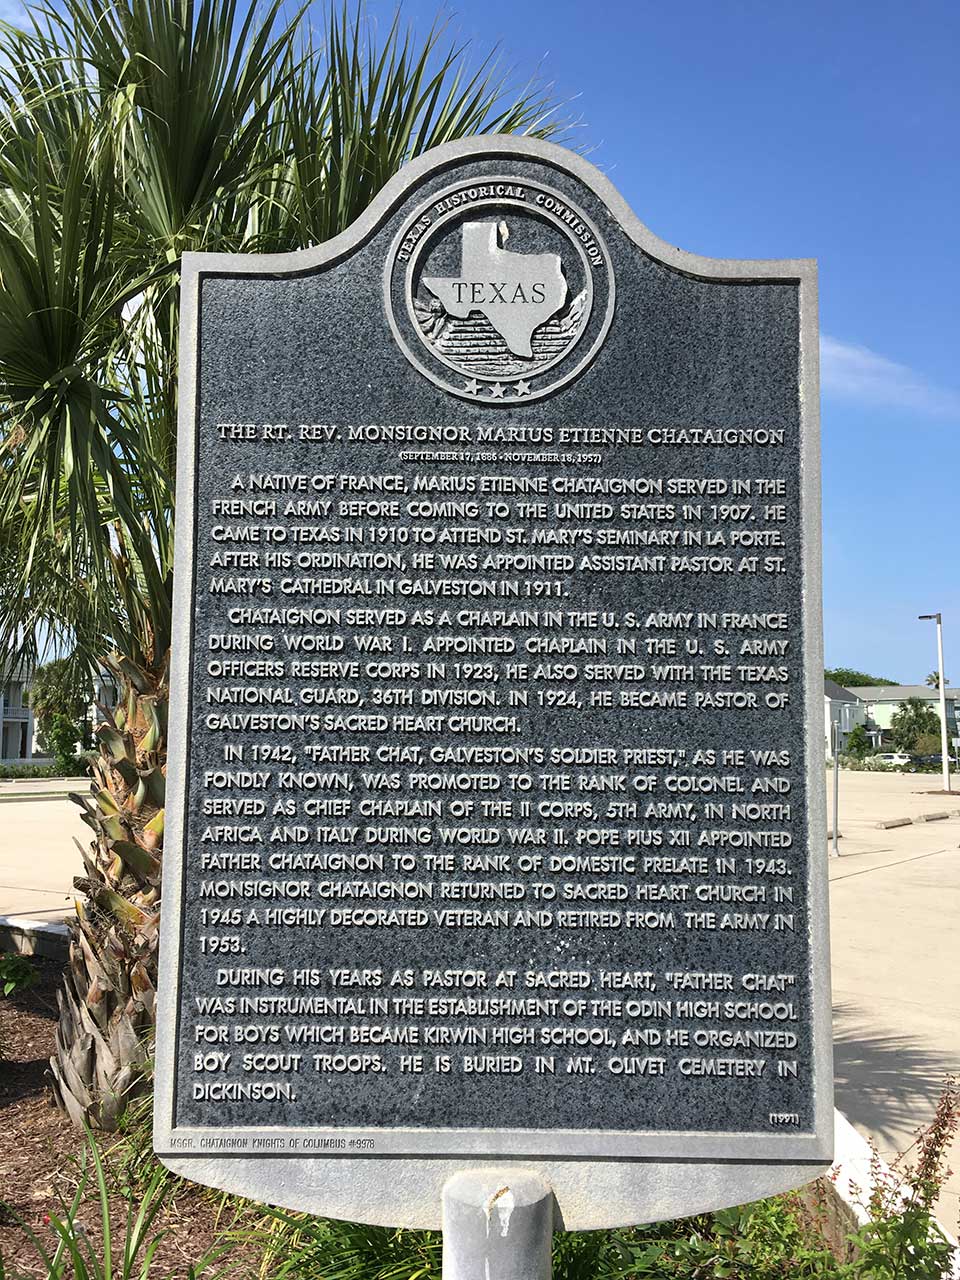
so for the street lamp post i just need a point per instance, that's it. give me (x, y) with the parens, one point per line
(835, 727)
(944, 752)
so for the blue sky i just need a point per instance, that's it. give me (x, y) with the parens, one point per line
(781, 128)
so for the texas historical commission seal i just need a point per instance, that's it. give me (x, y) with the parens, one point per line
(499, 290)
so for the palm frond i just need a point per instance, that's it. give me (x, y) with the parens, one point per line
(130, 132)
(355, 110)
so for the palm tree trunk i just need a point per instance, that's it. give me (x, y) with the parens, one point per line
(108, 999)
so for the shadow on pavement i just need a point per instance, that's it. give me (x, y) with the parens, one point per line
(886, 1083)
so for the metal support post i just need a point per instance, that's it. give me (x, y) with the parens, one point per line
(942, 680)
(836, 788)
(944, 747)
(497, 1225)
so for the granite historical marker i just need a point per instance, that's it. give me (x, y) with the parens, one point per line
(497, 820)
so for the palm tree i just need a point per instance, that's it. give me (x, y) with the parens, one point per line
(129, 134)
(933, 680)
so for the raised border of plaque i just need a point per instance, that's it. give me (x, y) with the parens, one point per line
(600, 1178)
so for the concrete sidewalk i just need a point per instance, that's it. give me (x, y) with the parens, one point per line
(38, 858)
(31, 788)
(895, 912)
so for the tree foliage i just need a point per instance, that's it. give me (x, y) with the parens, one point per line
(847, 678)
(928, 744)
(63, 741)
(130, 133)
(911, 720)
(59, 688)
(858, 742)
(933, 680)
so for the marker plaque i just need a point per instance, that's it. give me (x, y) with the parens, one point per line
(497, 828)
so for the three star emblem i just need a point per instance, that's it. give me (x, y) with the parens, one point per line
(496, 390)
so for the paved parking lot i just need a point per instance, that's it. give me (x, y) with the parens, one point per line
(38, 857)
(895, 928)
(895, 934)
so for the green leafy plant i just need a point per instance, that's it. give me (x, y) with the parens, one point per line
(767, 1239)
(60, 688)
(132, 1153)
(128, 1238)
(858, 743)
(15, 772)
(910, 721)
(296, 1245)
(902, 1240)
(130, 133)
(848, 678)
(16, 973)
(63, 738)
(873, 764)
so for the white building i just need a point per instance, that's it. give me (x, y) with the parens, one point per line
(16, 718)
(883, 701)
(840, 706)
(18, 732)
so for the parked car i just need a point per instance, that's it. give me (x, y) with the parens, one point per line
(896, 759)
(931, 762)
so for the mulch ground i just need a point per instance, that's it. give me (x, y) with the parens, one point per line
(40, 1153)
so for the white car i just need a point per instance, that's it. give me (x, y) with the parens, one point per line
(894, 758)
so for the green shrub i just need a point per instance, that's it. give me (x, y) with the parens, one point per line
(912, 720)
(870, 764)
(851, 679)
(73, 768)
(63, 738)
(16, 973)
(774, 1239)
(766, 1239)
(10, 772)
(65, 1251)
(61, 688)
(902, 1240)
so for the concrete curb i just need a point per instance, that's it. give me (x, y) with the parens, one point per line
(27, 937)
(64, 781)
(36, 795)
(920, 818)
(848, 1190)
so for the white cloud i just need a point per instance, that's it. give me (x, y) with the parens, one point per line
(852, 372)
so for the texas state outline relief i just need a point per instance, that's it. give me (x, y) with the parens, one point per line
(517, 292)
